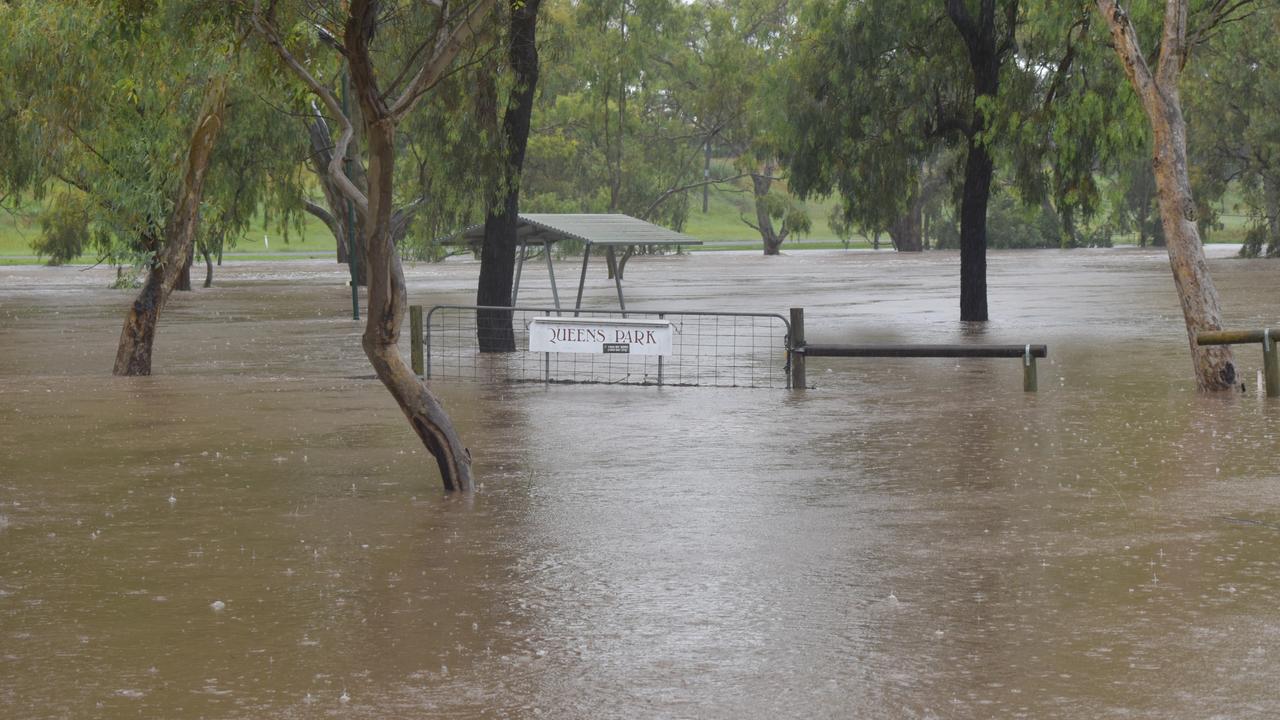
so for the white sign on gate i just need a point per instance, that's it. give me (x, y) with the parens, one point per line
(599, 336)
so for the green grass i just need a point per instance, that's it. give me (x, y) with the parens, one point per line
(727, 207)
(18, 229)
(721, 228)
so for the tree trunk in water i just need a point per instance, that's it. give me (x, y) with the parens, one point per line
(1201, 310)
(978, 170)
(498, 252)
(907, 232)
(986, 53)
(1214, 365)
(184, 277)
(387, 304)
(133, 357)
(494, 332)
(760, 184)
(208, 268)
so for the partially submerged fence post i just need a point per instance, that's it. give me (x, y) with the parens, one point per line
(1270, 355)
(795, 349)
(1028, 371)
(415, 338)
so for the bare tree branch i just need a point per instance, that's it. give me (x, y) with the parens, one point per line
(267, 28)
(447, 47)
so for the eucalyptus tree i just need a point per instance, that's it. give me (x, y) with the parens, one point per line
(1155, 79)
(727, 87)
(494, 331)
(605, 135)
(122, 104)
(387, 85)
(881, 88)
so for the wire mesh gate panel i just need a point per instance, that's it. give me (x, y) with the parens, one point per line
(719, 349)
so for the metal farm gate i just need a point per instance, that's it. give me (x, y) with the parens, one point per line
(719, 349)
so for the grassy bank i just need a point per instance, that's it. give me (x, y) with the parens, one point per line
(721, 228)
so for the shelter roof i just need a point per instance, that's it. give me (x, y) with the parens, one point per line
(595, 229)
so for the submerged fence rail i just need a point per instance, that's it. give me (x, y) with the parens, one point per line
(1270, 356)
(720, 349)
(800, 349)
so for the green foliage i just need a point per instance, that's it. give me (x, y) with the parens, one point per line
(64, 228)
(102, 101)
(1233, 128)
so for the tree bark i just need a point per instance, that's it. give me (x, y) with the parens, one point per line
(772, 239)
(208, 267)
(387, 305)
(184, 277)
(987, 49)
(133, 356)
(387, 294)
(335, 215)
(907, 232)
(1158, 91)
(494, 332)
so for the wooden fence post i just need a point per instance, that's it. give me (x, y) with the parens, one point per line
(415, 338)
(798, 381)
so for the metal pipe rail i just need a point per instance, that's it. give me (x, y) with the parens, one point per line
(1270, 356)
(800, 350)
(921, 351)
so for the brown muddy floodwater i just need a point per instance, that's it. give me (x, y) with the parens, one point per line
(254, 533)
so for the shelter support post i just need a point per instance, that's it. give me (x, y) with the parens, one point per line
(415, 338)
(521, 250)
(551, 273)
(795, 349)
(582, 280)
(617, 278)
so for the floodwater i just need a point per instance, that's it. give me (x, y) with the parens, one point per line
(254, 533)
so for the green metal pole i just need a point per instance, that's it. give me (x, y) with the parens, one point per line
(415, 338)
(353, 252)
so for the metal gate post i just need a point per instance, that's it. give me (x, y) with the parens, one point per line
(1028, 371)
(661, 316)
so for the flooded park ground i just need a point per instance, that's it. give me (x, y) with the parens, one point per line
(254, 532)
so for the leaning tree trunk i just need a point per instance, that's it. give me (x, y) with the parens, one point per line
(1158, 91)
(133, 357)
(498, 252)
(387, 303)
